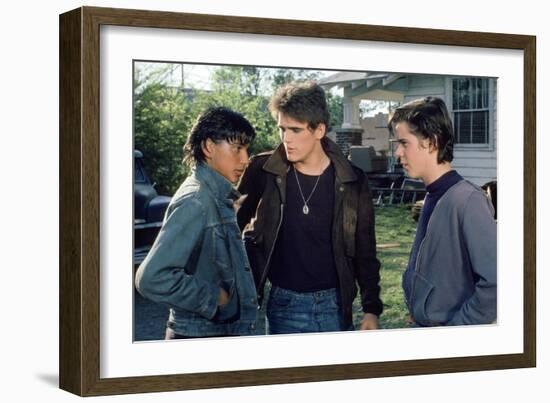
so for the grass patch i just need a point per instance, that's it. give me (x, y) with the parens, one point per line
(395, 231)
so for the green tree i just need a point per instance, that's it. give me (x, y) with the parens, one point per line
(240, 88)
(161, 123)
(163, 115)
(280, 77)
(336, 109)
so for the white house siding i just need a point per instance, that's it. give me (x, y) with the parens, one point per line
(423, 86)
(477, 165)
(480, 165)
(495, 122)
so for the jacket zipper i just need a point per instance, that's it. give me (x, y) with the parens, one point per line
(418, 255)
(264, 273)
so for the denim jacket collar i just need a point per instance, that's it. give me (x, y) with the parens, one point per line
(278, 164)
(220, 187)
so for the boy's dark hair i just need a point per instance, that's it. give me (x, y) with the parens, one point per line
(428, 118)
(217, 124)
(302, 101)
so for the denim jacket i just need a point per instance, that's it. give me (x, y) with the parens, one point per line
(199, 250)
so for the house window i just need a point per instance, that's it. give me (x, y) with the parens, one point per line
(471, 110)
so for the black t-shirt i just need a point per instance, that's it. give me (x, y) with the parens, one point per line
(303, 258)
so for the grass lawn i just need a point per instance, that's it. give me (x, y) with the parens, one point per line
(395, 231)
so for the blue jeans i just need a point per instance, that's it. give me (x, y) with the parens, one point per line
(304, 312)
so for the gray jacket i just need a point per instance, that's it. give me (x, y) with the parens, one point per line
(455, 277)
(199, 250)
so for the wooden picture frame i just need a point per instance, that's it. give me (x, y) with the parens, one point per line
(80, 200)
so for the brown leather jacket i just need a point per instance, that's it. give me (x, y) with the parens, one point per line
(353, 237)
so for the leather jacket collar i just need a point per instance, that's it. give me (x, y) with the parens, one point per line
(278, 164)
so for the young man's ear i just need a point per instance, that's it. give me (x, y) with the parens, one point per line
(207, 147)
(432, 145)
(320, 130)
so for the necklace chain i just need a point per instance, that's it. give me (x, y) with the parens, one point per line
(305, 209)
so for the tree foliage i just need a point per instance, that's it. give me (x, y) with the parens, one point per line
(163, 114)
(336, 109)
(161, 123)
(239, 88)
(280, 77)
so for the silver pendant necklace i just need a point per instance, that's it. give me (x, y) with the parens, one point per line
(305, 209)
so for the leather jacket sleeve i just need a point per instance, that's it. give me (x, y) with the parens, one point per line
(252, 185)
(367, 266)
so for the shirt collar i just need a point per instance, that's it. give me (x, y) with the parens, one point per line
(220, 187)
(444, 182)
(279, 165)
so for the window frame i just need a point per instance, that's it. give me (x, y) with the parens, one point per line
(491, 88)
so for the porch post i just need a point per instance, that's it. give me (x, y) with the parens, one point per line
(351, 132)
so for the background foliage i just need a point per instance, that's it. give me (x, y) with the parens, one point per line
(164, 113)
(395, 231)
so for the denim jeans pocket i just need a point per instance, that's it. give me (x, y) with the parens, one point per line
(279, 300)
(294, 312)
(334, 302)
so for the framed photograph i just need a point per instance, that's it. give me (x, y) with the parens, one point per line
(104, 55)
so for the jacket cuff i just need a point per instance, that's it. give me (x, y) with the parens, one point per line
(374, 308)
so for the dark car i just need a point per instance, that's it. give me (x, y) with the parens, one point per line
(149, 210)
